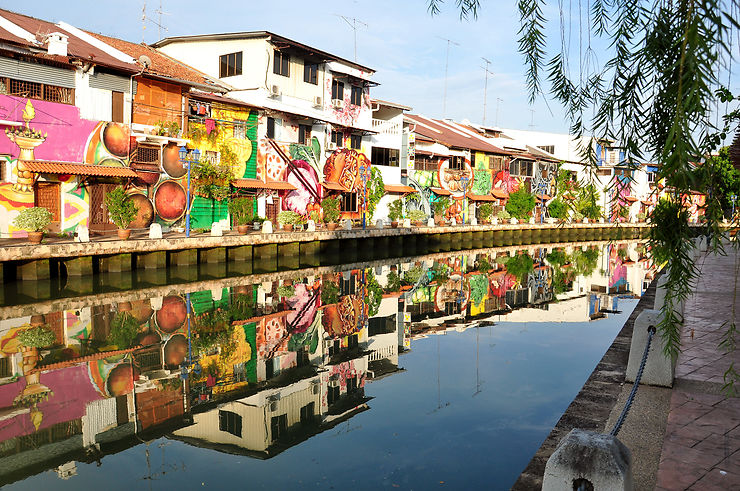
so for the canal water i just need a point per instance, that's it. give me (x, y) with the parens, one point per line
(442, 370)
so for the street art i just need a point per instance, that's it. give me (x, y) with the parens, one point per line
(504, 181)
(11, 204)
(114, 376)
(343, 318)
(339, 374)
(456, 181)
(427, 179)
(482, 182)
(346, 167)
(622, 187)
(348, 113)
(228, 124)
(76, 204)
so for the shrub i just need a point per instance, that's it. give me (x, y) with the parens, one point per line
(121, 208)
(36, 337)
(641, 216)
(485, 211)
(520, 203)
(395, 210)
(393, 282)
(315, 216)
(34, 219)
(330, 207)
(441, 205)
(503, 215)
(242, 209)
(329, 293)
(286, 291)
(123, 331)
(558, 208)
(286, 217)
(417, 215)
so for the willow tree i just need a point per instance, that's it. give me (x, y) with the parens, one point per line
(657, 86)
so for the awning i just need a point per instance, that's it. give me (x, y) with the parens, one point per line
(398, 189)
(543, 197)
(257, 184)
(481, 197)
(631, 199)
(500, 193)
(440, 191)
(646, 202)
(334, 186)
(43, 167)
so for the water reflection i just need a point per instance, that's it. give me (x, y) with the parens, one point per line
(254, 368)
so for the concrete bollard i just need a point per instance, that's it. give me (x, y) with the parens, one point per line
(346, 224)
(216, 230)
(430, 222)
(406, 223)
(267, 227)
(473, 221)
(155, 231)
(380, 224)
(589, 458)
(659, 369)
(82, 234)
(310, 226)
(660, 292)
(513, 221)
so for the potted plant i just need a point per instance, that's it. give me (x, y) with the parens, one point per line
(503, 215)
(395, 212)
(287, 219)
(122, 211)
(440, 207)
(641, 216)
(316, 217)
(242, 210)
(485, 211)
(330, 208)
(34, 221)
(418, 217)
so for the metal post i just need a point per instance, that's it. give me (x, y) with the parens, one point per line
(364, 193)
(464, 181)
(187, 160)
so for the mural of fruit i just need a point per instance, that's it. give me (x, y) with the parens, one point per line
(171, 161)
(142, 310)
(121, 379)
(299, 199)
(456, 181)
(343, 167)
(169, 200)
(172, 315)
(146, 178)
(148, 338)
(145, 213)
(175, 350)
(117, 139)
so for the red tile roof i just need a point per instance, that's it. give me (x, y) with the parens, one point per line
(162, 65)
(450, 134)
(76, 47)
(398, 189)
(257, 184)
(333, 186)
(481, 197)
(202, 96)
(441, 191)
(43, 167)
(500, 193)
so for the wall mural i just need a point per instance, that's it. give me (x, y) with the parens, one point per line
(453, 179)
(482, 183)
(348, 113)
(504, 181)
(344, 167)
(621, 189)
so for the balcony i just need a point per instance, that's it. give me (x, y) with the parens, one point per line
(383, 127)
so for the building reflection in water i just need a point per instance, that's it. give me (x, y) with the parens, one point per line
(256, 368)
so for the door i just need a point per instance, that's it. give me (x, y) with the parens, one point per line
(272, 209)
(48, 195)
(99, 221)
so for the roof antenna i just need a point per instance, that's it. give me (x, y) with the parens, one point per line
(143, 22)
(485, 88)
(160, 13)
(353, 26)
(447, 59)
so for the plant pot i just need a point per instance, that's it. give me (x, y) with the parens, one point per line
(242, 229)
(332, 225)
(394, 224)
(288, 227)
(35, 237)
(439, 222)
(124, 233)
(419, 223)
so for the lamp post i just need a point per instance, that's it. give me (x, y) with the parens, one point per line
(187, 160)
(733, 198)
(464, 181)
(363, 175)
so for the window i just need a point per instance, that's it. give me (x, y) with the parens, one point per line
(34, 90)
(355, 141)
(623, 172)
(356, 96)
(351, 384)
(496, 162)
(651, 176)
(332, 395)
(349, 202)
(212, 157)
(308, 412)
(311, 73)
(230, 423)
(347, 287)
(547, 148)
(336, 138)
(304, 134)
(240, 130)
(270, 127)
(521, 168)
(426, 163)
(278, 425)
(457, 162)
(116, 106)
(384, 156)
(353, 341)
(603, 172)
(230, 65)
(281, 64)
(337, 90)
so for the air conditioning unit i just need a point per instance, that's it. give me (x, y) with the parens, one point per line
(315, 388)
(318, 101)
(275, 91)
(331, 146)
(273, 406)
(337, 103)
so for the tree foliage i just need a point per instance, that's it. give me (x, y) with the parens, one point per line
(520, 204)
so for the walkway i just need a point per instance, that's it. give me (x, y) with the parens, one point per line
(701, 449)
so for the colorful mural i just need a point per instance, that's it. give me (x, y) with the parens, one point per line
(504, 181)
(482, 183)
(456, 181)
(345, 167)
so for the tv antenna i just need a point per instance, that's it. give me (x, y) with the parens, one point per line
(485, 88)
(157, 22)
(353, 25)
(447, 60)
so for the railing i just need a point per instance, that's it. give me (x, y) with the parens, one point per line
(384, 127)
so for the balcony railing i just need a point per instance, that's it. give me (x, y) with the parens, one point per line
(383, 127)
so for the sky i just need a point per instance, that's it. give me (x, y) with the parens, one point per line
(398, 38)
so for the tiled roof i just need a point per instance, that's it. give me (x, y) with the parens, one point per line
(481, 197)
(257, 184)
(76, 47)
(202, 96)
(398, 189)
(450, 134)
(441, 191)
(500, 193)
(162, 65)
(333, 186)
(44, 167)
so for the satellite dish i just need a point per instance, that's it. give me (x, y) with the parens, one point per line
(145, 60)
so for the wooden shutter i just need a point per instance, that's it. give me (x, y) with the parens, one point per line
(117, 110)
(48, 195)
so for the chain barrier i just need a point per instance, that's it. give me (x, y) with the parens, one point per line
(628, 404)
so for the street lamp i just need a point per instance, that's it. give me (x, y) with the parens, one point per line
(464, 181)
(733, 198)
(185, 160)
(364, 170)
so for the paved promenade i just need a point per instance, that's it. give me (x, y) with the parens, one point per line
(701, 448)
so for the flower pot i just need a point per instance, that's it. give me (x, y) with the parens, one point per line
(35, 237)
(439, 222)
(124, 233)
(242, 229)
(394, 224)
(332, 225)
(419, 223)
(288, 227)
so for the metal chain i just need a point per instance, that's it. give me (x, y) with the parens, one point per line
(628, 404)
